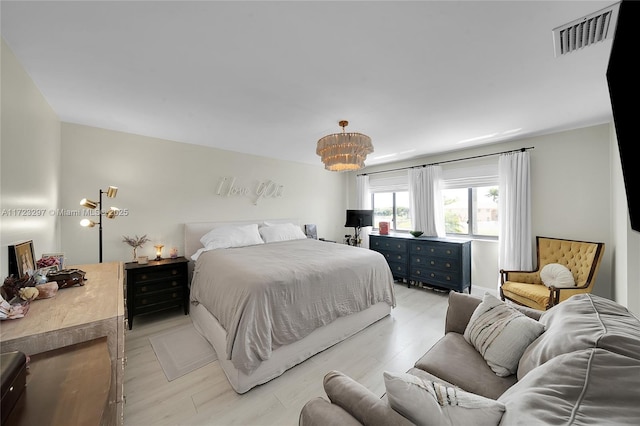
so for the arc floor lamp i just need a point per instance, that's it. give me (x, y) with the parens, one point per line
(93, 205)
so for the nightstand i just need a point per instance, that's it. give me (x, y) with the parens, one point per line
(156, 286)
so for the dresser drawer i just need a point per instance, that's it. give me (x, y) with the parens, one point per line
(161, 296)
(435, 249)
(436, 263)
(151, 274)
(156, 307)
(388, 245)
(392, 256)
(151, 286)
(431, 276)
(398, 269)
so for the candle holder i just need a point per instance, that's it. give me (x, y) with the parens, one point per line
(159, 251)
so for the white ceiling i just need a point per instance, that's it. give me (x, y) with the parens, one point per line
(271, 78)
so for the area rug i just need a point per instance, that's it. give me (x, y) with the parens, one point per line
(181, 350)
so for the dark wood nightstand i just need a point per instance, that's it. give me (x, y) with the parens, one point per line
(155, 286)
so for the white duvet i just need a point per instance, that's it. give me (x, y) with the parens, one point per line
(270, 295)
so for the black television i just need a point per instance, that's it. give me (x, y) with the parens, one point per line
(359, 218)
(623, 79)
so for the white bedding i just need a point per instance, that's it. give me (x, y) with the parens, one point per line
(270, 295)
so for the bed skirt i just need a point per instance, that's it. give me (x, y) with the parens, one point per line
(286, 356)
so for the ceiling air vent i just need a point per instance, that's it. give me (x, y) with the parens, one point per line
(585, 31)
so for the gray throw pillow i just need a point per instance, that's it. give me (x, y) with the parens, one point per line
(425, 402)
(501, 334)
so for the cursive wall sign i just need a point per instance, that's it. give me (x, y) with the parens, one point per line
(228, 187)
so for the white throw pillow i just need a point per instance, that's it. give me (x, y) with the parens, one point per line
(281, 232)
(557, 275)
(232, 236)
(424, 402)
(501, 334)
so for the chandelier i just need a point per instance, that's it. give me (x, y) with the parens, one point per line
(343, 152)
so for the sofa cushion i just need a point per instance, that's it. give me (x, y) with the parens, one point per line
(360, 402)
(455, 361)
(583, 321)
(591, 386)
(501, 334)
(425, 402)
(320, 412)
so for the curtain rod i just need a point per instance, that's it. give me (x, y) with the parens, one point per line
(447, 161)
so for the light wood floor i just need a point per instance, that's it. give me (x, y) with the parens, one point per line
(204, 397)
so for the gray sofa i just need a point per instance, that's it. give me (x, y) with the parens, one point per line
(584, 369)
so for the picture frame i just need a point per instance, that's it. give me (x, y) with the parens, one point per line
(21, 259)
(48, 269)
(59, 256)
(311, 231)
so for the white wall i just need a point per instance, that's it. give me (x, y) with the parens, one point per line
(164, 184)
(30, 163)
(570, 173)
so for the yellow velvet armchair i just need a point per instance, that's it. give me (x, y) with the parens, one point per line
(527, 288)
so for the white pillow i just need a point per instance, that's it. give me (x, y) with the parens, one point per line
(557, 275)
(501, 334)
(281, 232)
(424, 402)
(232, 236)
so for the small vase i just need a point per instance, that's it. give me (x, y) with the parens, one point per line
(135, 255)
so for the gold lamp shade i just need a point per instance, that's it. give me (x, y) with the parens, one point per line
(342, 152)
(87, 223)
(112, 212)
(112, 191)
(90, 204)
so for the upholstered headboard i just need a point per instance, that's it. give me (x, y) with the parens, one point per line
(193, 231)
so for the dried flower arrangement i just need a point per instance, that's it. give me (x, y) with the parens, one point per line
(135, 242)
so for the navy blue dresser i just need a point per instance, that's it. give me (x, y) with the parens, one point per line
(437, 262)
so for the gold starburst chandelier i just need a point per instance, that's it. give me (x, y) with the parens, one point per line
(343, 152)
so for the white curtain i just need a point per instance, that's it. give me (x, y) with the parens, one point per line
(425, 200)
(363, 202)
(515, 243)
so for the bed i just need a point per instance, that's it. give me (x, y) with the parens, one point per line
(267, 306)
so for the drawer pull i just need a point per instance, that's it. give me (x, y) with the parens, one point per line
(433, 275)
(417, 272)
(174, 295)
(143, 288)
(448, 265)
(399, 268)
(143, 277)
(418, 260)
(399, 257)
(448, 251)
(418, 248)
(432, 263)
(174, 272)
(144, 301)
(432, 250)
(174, 283)
(448, 278)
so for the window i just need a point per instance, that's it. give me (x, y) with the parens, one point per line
(392, 207)
(471, 211)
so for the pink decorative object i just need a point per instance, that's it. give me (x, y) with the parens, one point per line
(47, 290)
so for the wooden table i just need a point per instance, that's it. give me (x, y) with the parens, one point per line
(75, 315)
